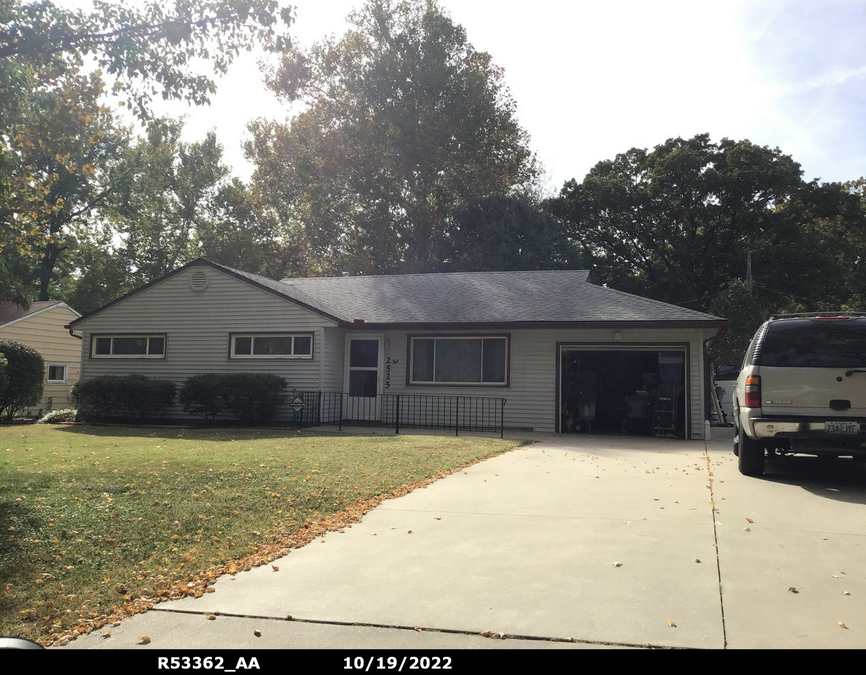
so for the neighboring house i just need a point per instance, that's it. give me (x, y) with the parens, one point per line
(566, 353)
(42, 326)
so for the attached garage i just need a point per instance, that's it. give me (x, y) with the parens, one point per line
(635, 389)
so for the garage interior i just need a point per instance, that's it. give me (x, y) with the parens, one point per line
(624, 392)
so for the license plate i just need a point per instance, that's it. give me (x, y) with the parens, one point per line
(842, 428)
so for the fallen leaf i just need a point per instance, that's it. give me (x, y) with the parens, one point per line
(211, 617)
(143, 640)
(257, 633)
(410, 531)
(697, 560)
(746, 529)
(750, 520)
(276, 569)
(617, 564)
(845, 593)
(842, 625)
(672, 624)
(106, 633)
(792, 589)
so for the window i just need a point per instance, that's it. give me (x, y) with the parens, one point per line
(56, 373)
(127, 346)
(459, 360)
(272, 346)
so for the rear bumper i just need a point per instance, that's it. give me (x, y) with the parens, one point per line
(803, 428)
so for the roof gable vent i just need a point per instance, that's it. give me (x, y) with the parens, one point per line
(198, 280)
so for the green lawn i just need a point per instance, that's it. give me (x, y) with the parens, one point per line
(98, 522)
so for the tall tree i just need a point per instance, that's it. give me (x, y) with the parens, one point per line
(403, 125)
(675, 223)
(50, 111)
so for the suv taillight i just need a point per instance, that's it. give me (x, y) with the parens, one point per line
(753, 391)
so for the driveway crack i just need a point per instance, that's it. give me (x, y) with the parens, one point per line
(716, 544)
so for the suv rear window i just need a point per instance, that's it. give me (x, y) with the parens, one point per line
(811, 343)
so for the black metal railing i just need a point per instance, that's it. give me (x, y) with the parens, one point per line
(415, 411)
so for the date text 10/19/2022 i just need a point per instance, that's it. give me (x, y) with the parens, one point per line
(395, 663)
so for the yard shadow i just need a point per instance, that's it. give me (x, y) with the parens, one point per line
(841, 479)
(216, 434)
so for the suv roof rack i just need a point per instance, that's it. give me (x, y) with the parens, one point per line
(813, 315)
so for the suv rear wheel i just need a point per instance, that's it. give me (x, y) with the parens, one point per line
(750, 453)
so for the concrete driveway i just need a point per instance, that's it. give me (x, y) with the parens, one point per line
(573, 542)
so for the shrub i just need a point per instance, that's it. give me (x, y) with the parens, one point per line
(202, 395)
(57, 416)
(129, 396)
(251, 397)
(22, 377)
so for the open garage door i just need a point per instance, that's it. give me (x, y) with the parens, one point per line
(623, 391)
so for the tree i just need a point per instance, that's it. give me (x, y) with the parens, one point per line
(22, 378)
(404, 124)
(47, 104)
(674, 223)
(508, 233)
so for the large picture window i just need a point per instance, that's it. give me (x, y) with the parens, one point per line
(127, 346)
(459, 360)
(272, 346)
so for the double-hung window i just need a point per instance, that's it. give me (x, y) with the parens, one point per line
(474, 360)
(272, 346)
(127, 346)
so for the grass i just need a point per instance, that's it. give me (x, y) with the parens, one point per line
(97, 523)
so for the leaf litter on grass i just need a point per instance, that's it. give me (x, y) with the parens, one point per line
(143, 530)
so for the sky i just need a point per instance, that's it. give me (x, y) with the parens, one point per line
(593, 79)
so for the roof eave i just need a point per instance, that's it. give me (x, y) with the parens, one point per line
(549, 325)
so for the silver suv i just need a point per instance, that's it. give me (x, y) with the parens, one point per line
(802, 389)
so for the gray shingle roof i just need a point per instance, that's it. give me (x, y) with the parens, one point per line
(477, 297)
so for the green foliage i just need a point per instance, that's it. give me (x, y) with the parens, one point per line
(746, 311)
(404, 124)
(508, 233)
(57, 140)
(674, 224)
(202, 395)
(149, 49)
(21, 379)
(252, 397)
(133, 397)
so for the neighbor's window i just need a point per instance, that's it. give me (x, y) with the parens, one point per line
(459, 360)
(56, 373)
(283, 346)
(128, 346)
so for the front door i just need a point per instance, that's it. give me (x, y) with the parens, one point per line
(362, 379)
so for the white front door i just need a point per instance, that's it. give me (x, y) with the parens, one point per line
(363, 380)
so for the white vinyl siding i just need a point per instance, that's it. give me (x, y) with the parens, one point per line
(198, 326)
(531, 392)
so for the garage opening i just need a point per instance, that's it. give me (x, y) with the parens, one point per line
(629, 392)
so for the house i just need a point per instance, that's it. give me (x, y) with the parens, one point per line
(555, 350)
(41, 326)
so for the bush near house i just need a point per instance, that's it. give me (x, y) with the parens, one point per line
(22, 371)
(251, 397)
(127, 396)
